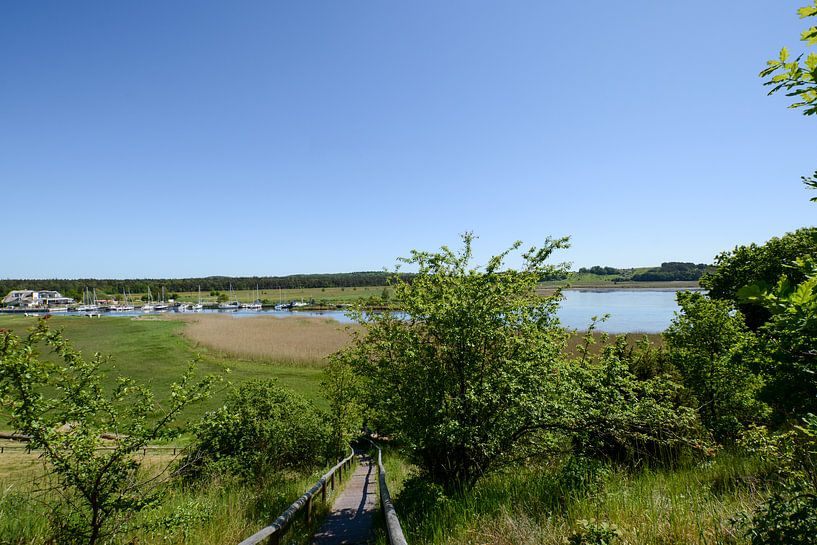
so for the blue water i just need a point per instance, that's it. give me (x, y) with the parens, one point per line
(648, 311)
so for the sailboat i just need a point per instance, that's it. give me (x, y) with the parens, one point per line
(232, 304)
(88, 302)
(149, 306)
(161, 305)
(256, 305)
(125, 306)
(198, 306)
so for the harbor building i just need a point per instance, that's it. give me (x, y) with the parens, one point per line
(35, 299)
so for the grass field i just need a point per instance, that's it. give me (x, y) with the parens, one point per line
(155, 351)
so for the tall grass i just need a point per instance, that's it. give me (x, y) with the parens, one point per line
(542, 505)
(219, 510)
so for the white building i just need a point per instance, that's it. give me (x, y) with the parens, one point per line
(34, 299)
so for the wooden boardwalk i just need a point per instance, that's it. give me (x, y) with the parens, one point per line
(352, 516)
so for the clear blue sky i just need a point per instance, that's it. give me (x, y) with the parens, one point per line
(172, 138)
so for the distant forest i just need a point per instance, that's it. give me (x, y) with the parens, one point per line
(669, 271)
(73, 287)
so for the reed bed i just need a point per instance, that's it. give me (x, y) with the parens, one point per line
(305, 340)
(576, 340)
(292, 340)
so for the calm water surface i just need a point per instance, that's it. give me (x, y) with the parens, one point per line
(648, 311)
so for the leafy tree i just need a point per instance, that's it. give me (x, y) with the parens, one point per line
(763, 265)
(791, 335)
(464, 376)
(798, 77)
(472, 376)
(712, 348)
(342, 388)
(61, 404)
(261, 426)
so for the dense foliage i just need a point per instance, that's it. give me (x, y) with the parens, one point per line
(670, 271)
(599, 270)
(463, 377)
(759, 264)
(473, 376)
(61, 405)
(709, 343)
(613, 414)
(261, 427)
(790, 336)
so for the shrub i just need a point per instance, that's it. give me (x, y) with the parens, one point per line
(590, 532)
(261, 426)
(762, 264)
(708, 342)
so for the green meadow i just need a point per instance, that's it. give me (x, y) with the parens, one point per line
(155, 352)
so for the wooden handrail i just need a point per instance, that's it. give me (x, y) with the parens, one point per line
(280, 525)
(393, 528)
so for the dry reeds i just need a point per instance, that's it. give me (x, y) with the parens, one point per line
(291, 340)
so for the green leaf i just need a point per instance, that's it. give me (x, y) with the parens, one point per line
(784, 55)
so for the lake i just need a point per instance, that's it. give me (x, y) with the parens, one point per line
(640, 310)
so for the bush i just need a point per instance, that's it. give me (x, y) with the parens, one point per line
(590, 532)
(789, 519)
(262, 426)
(708, 342)
(762, 264)
(790, 515)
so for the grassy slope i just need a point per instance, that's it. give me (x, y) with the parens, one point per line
(532, 505)
(154, 351)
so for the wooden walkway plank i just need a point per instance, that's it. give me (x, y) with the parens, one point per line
(353, 513)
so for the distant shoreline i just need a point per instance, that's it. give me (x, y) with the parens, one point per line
(674, 285)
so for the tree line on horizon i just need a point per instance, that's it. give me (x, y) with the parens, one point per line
(75, 287)
(668, 271)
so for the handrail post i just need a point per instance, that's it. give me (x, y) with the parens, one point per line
(393, 529)
(272, 533)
